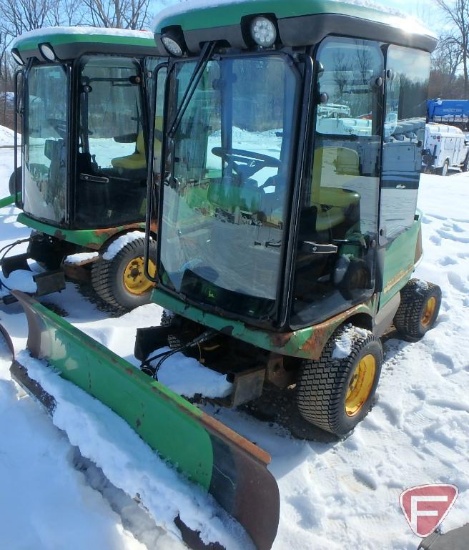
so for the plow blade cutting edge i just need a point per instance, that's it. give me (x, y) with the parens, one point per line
(225, 464)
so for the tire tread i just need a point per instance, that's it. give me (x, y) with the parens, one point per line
(321, 386)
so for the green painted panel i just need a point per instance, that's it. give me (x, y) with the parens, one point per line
(399, 261)
(89, 238)
(305, 343)
(225, 464)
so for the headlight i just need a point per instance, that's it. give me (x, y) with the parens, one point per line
(47, 52)
(263, 31)
(172, 46)
(16, 56)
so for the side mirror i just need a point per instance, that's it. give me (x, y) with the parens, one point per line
(323, 98)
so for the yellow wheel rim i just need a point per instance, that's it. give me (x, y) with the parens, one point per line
(360, 385)
(135, 281)
(429, 311)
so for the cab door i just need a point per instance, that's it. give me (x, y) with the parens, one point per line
(338, 218)
(406, 82)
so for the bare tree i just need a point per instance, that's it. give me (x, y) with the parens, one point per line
(447, 57)
(457, 14)
(446, 80)
(364, 61)
(18, 16)
(67, 13)
(6, 84)
(123, 14)
(343, 70)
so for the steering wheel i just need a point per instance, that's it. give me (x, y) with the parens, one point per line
(245, 163)
(60, 126)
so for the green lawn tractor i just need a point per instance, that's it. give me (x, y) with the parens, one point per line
(288, 229)
(285, 201)
(82, 97)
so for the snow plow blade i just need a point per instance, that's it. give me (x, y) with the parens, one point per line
(455, 539)
(5, 338)
(225, 464)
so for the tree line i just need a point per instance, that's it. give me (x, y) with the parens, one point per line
(20, 16)
(450, 61)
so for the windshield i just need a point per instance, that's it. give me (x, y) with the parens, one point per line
(226, 179)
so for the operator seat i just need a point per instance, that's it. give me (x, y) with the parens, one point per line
(135, 161)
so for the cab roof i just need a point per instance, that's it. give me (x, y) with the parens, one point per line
(299, 22)
(71, 42)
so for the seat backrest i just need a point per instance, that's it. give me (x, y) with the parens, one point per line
(140, 144)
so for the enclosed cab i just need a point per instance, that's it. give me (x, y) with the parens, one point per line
(287, 198)
(82, 97)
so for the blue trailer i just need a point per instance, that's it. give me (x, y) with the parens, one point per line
(449, 111)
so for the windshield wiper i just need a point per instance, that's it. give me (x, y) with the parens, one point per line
(205, 55)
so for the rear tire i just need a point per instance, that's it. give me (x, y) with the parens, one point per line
(335, 394)
(16, 175)
(121, 281)
(444, 169)
(418, 310)
(465, 164)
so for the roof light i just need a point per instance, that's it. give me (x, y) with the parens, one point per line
(47, 52)
(263, 31)
(16, 56)
(172, 46)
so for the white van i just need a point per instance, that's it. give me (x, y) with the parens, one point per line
(445, 147)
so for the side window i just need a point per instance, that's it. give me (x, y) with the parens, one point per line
(111, 130)
(348, 133)
(404, 135)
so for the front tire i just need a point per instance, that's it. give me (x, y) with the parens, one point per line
(335, 394)
(121, 281)
(418, 310)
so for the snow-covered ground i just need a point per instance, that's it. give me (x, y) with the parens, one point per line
(333, 495)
